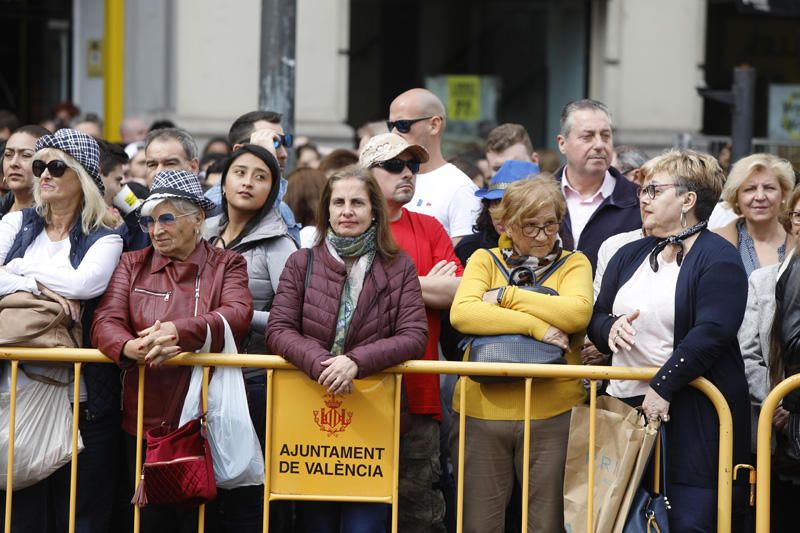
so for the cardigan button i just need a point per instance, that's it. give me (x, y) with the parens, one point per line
(682, 359)
(663, 377)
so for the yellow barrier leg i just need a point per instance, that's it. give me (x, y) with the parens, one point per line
(12, 415)
(592, 446)
(398, 388)
(73, 473)
(201, 511)
(526, 453)
(764, 450)
(267, 450)
(139, 438)
(462, 428)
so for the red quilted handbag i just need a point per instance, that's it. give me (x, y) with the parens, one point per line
(177, 468)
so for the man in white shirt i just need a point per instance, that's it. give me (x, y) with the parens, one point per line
(442, 191)
(600, 201)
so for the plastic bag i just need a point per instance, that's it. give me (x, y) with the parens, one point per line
(235, 450)
(43, 430)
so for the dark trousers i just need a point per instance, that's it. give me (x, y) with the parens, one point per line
(281, 513)
(44, 507)
(694, 509)
(335, 517)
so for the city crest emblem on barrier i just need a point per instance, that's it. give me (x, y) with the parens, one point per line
(333, 418)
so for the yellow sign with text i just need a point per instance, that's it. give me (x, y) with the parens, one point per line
(464, 97)
(340, 445)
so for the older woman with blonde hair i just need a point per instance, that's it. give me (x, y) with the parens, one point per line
(531, 212)
(65, 249)
(675, 300)
(756, 190)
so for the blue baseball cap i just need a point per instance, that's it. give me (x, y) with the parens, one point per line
(510, 172)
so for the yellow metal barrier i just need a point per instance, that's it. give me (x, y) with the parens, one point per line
(764, 450)
(725, 480)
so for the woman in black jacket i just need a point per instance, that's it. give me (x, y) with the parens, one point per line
(675, 300)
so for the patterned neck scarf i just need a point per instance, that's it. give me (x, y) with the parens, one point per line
(354, 246)
(525, 266)
(675, 240)
(363, 247)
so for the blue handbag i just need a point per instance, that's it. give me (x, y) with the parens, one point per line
(648, 512)
(514, 348)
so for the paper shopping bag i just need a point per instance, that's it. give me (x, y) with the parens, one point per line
(620, 435)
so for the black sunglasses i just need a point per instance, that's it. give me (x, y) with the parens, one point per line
(404, 126)
(396, 166)
(282, 140)
(167, 219)
(285, 140)
(56, 168)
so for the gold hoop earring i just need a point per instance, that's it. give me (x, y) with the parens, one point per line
(683, 219)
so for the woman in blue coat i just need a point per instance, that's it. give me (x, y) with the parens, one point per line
(675, 300)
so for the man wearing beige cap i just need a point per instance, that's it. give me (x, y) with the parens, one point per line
(394, 163)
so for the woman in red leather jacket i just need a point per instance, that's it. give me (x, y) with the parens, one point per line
(360, 312)
(163, 300)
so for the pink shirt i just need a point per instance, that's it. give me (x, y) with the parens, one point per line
(581, 209)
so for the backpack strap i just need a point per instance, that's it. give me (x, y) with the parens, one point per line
(552, 269)
(500, 266)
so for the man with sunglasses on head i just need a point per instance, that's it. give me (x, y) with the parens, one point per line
(264, 129)
(394, 163)
(442, 190)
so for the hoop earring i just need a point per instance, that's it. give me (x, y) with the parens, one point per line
(683, 219)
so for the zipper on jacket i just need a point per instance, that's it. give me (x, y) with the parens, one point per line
(164, 295)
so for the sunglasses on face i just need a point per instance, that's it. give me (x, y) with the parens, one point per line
(396, 166)
(285, 140)
(166, 220)
(56, 168)
(403, 126)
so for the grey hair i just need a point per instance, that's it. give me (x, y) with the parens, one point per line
(567, 119)
(179, 134)
(630, 158)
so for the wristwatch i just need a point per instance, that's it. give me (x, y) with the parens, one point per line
(500, 293)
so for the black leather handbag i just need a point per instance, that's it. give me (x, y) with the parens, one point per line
(514, 348)
(648, 512)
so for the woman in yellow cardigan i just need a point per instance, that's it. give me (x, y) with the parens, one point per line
(531, 212)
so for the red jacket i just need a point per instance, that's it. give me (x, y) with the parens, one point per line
(147, 286)
(389, 325)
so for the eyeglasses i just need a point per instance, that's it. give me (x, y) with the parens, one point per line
(56, 168)
(794, 216)
(652, 189)
(167, 220)
(532, 230)
(285, 140)
(396, 166)
(404, 126)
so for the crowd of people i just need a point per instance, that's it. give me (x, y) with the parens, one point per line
(358, 260)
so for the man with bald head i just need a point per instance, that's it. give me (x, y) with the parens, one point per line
(442, 191)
